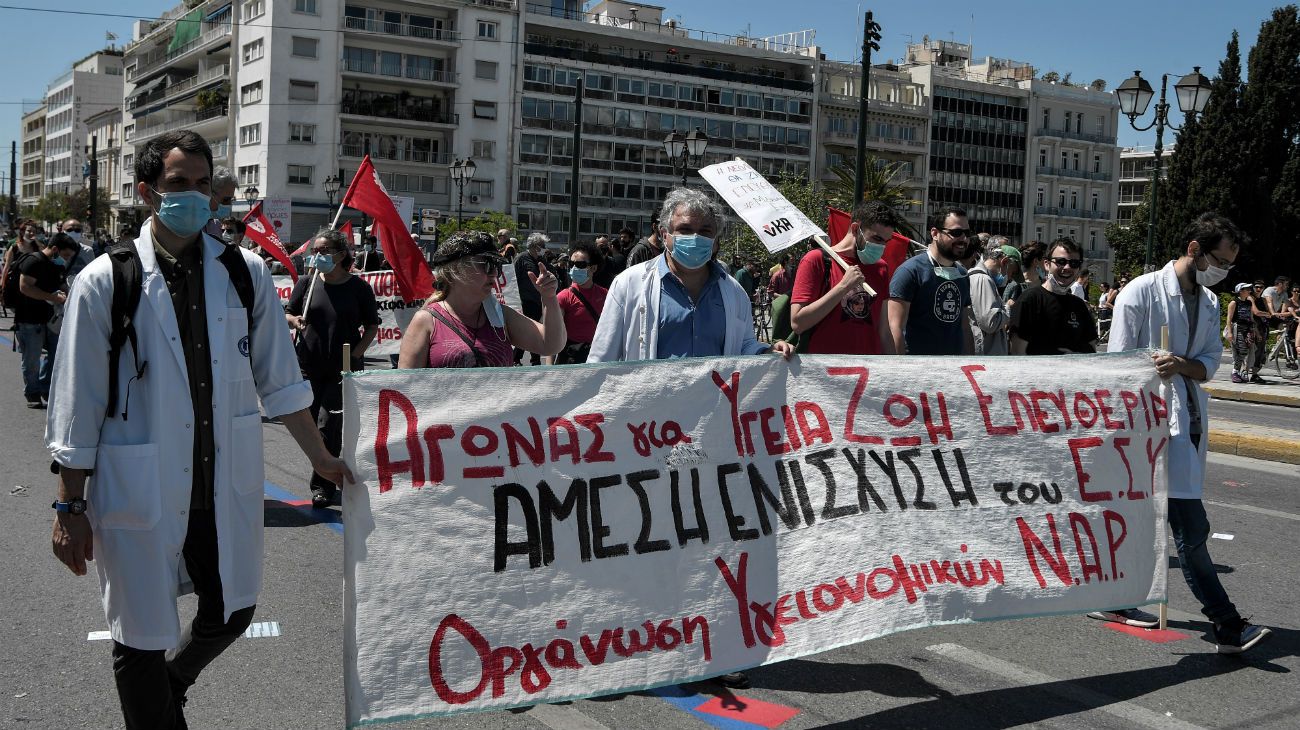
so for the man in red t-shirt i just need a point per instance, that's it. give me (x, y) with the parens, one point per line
(831, 305)
(581, 303)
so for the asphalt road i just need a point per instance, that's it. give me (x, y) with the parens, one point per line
(1259, 414)
(1063, 672)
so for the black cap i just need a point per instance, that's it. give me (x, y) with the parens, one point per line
(465, 243)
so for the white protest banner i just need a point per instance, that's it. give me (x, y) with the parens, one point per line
(395, 313)
(616, 527)
(405, 206)
(778, 223)
(280, 212)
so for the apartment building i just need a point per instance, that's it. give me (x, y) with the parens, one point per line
(32, 177)
(645, 77)
(92, 85)
(898, 127)
(1072, 179)
(300, 90)
(1135, 166)
(104, 140)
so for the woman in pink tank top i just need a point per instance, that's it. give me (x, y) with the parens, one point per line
(463, 325)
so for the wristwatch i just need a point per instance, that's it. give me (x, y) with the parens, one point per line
(74, 506)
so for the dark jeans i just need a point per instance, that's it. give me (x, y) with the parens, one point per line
(32, 339)
(327, 411)
(152, 683)
(1191, 530)
(533, 311)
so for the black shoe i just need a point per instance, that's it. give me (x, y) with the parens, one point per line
(1238, 635)
(1127, 617)
(34, 401)
(319, 500)
(733, 680)
(1258, 380)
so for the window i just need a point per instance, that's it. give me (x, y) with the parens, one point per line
(300, 174)
(484, 149)
(1096, 163)
(1060, 198)
(1074, 200)
(254, 50)
(1101, 124)
(1076, 160)
(1078, 123)
(302, 90)
(482, 188)
(1069, 116)
(1092, 240)
(304, 6)
(304, 47)
(250, 94)
(252, 9)
(250, 134)
(1065, 160)
(1042, 196)
(302, 132)
(485, 109)
(1096, 202)
(248, 175)
(487, 30)
(1047, 118)
(485, 70)
(1042, 157)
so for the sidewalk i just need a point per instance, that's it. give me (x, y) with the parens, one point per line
(1255, 442)
(1278, 392)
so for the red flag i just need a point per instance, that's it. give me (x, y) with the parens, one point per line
(263, 233)
(897, 250)
(367, 194)
(838, 224)
(302, 250)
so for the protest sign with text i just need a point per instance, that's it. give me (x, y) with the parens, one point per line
(605, 528)
(778, 223)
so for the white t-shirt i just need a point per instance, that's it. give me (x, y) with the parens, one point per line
(1077, 289)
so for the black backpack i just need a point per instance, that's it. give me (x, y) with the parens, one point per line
(13, 276)
(128, 284)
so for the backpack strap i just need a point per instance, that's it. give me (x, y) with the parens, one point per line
(237, 270)
(805, 338)
(479, 361)
(128, 283)
(595, 316)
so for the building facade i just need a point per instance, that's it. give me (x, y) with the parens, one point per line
(898, 128)
(1072, 178)
(645, 77)
(104, 132)
(1135, 166)
(32, 177)
(93, 85)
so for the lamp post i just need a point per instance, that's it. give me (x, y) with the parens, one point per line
(332, 185)
(685, 151)
(1193, 92)
(250, 194)
(462, 171)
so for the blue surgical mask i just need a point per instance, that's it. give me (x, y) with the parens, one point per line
(58, 261)
(184, 213)
(1000, 279)
(579, 276)
(223, 212)
(322, 262)
(1042, 273)
(870, 252)
(692, 251)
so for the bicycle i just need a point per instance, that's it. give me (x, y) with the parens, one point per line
(762, 304)
(1283, 355)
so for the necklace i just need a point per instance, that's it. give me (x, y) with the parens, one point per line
(452, 311)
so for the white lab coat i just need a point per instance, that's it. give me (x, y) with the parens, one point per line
(629, 323)
(139, 495)
(1147, 303)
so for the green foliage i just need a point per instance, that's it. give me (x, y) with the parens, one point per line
(879, 184)
(1051, 77)
(1128, 244)
(489, 221)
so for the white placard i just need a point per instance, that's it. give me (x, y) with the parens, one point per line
(280, 212)
(778, 223)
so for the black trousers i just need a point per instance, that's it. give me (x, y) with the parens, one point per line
(533, 311)
(151, 684)
(327, 411)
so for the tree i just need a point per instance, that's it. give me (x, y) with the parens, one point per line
(1217, 171)
(1051, 77)
(489, 221)
(1098, 85)
(1128, 244)
(880, 184)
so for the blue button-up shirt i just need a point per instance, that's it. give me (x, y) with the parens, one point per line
(693, 329)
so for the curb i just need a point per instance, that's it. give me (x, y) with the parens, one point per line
(1247, 396)
(1251, 446)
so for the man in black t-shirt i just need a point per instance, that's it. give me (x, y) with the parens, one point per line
(40, 284)
(1048, 319)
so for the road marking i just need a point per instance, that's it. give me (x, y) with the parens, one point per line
(559, 717)
(1256, 510)
(1020, 676)
(1221, 536)
(262, 630)
(1155, 636)
(327, 517)
(683, 699)
(1242, 462)
(748, 709)
(99, 636)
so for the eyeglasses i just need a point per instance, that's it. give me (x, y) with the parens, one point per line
(1063, 262)
(580, 264)
(957, 232)
(488, 266)
(73, 230)
(1219, 262)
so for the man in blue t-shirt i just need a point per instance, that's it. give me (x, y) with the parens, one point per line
(929, 294)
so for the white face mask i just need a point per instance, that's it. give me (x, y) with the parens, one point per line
(1211, 275)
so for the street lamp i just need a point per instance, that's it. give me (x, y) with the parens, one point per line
(1193, 92)
(332, 185)
(250, 194)
(462, 171)
(685, 151)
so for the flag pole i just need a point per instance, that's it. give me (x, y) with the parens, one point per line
(1164, 607)
(826, 246)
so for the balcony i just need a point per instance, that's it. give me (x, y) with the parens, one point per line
(375, 68)
(1071, 212)
(670, 68)
(140, 134)
(178, 88)
(393, 107)
(1081, 136)
(160, 58)
(403, 30)
(416, 157)
(1077, 174)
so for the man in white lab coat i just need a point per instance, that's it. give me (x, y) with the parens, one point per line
(174, 497)
(1177, 297)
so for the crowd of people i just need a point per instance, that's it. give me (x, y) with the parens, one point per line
(193, 433)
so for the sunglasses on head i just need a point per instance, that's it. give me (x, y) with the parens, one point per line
(1063, 262)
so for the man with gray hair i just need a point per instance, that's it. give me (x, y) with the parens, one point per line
(530, 300)
(224, 186)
